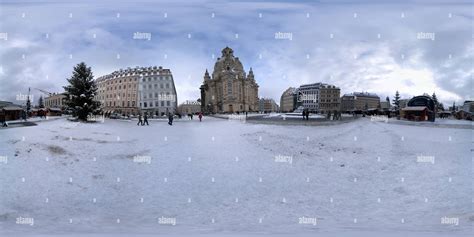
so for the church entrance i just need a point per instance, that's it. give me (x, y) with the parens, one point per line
(231, 109)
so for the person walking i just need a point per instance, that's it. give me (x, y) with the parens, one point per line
(307, 115)
(140, 122)
(191, 116)
(170, 119)
(145, 119)
(200, 116)
(4, 121)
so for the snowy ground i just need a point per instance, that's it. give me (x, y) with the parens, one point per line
(359, 178)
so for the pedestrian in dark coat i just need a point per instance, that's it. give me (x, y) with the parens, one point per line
(140, 122)
(304, 114)
(307, 114)
(145, 120)
(200, 116)
(170, 119)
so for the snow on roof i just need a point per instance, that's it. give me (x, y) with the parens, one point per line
(362, 94)
(11, 108)
(415, 108)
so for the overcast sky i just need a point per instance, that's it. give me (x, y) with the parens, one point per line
(414, 47)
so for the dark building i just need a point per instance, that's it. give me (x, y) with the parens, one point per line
(419, 108)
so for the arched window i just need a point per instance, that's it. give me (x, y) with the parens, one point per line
(229, 87)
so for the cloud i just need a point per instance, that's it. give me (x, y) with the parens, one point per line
(359, 47)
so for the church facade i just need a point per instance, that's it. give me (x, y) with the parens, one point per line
(229, 89)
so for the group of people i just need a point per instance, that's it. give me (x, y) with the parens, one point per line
(190, 115)
(305, 114)
(336, 115)
(144, 121)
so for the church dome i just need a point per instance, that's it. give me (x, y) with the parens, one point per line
(228, 63)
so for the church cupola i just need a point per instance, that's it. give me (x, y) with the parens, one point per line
(250, 75)
(206, 76)
(227, 52)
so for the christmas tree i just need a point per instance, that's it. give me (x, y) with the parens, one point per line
(41, 102)
(81, 91)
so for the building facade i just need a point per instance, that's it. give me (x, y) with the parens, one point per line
(137, 90)
(385, 106)
(359, 101)
(329, 99)
(267, 105)
(157, 92)
(55, 101)
(468, 106)
(189, 107)
(288, 100)
(318, 97)
(402, 103)
(229, 89)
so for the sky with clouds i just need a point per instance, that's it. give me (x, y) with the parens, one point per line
(414, 47)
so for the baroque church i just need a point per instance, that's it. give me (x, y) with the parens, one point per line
(230, 89)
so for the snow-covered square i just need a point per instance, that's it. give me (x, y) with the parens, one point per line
(228, 177)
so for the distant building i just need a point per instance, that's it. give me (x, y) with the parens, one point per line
(329, 98)
(468, 106)
(402, 103)
(419, 108)
(385, 105)
(157, 92)
(137, 90)
(229, 89)
(189, 107)
(267, 105)
(318, 97)
(288, 100)
(360, 101)
(10, 111)
(55, 101)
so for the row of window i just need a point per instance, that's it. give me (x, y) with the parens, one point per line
(162, 86)
(119, 81)
(161, 95)
(117, 96)
(155, 78)
(150, 104)
(334, 100)
(119, 87)
(117, 103)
